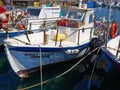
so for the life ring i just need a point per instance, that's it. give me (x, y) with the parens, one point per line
(114, 30)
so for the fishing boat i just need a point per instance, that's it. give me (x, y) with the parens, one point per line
(111, 47)
(38, 15)
(112, 41)
(30, 20)
(112, 51)
(69, 41)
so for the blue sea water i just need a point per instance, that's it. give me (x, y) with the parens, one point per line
(76, 79)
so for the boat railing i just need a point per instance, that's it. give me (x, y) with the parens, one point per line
(59, 21)
(57, 32)
(44, 19)
(118, 48)
(42, 22)
(78, 30)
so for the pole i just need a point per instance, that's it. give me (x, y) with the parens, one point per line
(107, 33)
(41, 75)
(118, 49)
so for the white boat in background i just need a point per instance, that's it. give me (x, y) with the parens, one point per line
(37, 16)
(30, 20)
(113, 52)
(68, 42)
(111, 47)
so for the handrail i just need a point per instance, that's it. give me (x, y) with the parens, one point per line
(76, 31)
(44, 18)
(30, 23)
(78, 36)
(118, 49)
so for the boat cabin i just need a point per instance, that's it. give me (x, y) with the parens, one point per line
(78, 17)
(79, 22)
(37, 15)
(44, 11)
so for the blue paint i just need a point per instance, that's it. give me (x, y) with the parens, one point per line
(47, 49)
(91, 4)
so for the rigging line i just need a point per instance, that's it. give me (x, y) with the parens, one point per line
(112, 48)
(93, 70)
(26, 32)
(60, 75)
(41, 77)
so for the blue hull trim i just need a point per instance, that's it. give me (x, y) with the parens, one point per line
(47, 49)
(11, 34)
(112, 58)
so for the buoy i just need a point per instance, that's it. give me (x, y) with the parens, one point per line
(59, 37)
(114, 30)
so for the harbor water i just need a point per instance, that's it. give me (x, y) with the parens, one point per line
(104, 75)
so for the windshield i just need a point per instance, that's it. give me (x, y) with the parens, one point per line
(34, 12)
(9, 8)
(76, 15)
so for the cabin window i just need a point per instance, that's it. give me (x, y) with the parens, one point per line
(91, 18)
(10, 8)
(76, 15)
(34, 12)
(71, 15)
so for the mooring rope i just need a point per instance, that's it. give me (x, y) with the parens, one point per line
(41, 71)
(29, 87)
(89, 82)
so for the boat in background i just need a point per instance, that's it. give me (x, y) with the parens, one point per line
(20, 22)
(111, 47)
(112, 51)
(37, 16)
(67, 42)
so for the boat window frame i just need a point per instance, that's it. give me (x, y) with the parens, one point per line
(75, 16)
(32, 11)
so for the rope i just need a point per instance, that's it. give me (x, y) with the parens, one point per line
(112, 48)
(60, 74)
(41, 71)
(92, 71)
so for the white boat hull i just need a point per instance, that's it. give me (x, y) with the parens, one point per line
(24, 59)
(111, 50)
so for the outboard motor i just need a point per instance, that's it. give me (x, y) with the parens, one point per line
(95, 43)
